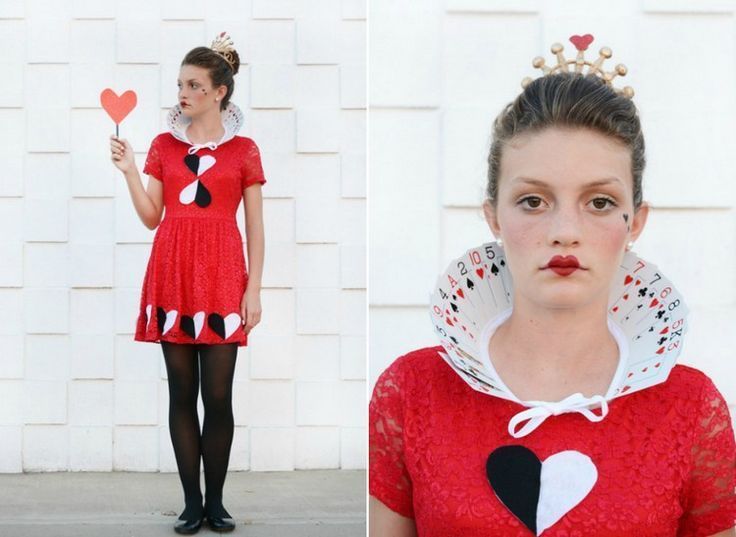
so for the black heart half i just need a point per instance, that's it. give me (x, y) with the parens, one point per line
(187, 325)
(202, 197)
(217, 324)
(192, 162)
(160, 318)
(514, 473)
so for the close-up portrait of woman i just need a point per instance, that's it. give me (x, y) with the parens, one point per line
(554, 404)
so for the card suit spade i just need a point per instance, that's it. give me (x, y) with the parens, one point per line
(195, 192)
(165, 319)
(539, 493)
(192, 326)
(118, 107)
(224, 327)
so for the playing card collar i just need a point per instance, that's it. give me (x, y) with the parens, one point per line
(232, 120)
(539, 411)
(646, 315)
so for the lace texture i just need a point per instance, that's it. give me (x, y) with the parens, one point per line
(665, 456)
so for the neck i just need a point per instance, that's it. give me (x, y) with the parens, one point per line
(555, 343)
(206, 127)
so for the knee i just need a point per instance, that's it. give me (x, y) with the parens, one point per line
(218, 400)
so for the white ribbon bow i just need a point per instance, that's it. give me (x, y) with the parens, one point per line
(541, 410)
(197, 147)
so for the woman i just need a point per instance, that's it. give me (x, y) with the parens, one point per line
(197, 298)
(564, 197)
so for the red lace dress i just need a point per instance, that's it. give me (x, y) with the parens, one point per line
(665, 456)
(196, 274)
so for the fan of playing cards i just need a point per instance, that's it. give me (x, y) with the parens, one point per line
(646, 314)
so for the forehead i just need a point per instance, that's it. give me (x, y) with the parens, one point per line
(566, 157)
(193, 72)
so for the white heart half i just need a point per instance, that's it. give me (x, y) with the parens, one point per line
(188, 193)
(170, 319)
(232, 322)
(148, 316)
(567, 477)
(205, 163)
(198, 319)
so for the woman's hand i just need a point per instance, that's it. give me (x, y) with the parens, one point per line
(250, 308)
(121, 153)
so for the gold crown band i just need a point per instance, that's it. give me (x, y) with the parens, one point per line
(223, 46)
(581, 43)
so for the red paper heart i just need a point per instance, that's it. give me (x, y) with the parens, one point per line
(628, 280)
(118, 107)
(581, 42)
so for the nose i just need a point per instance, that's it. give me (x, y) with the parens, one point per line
(566, 226)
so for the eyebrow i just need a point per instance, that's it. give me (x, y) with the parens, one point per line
(190, 80)
(597, 182)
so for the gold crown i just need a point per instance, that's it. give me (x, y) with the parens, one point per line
(223, 46)
(581, 43)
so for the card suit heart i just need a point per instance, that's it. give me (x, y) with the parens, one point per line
(539, 493)
(118, 107)
(628, 279)
(581, 42)
(479, 272)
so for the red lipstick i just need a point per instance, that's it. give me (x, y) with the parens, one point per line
(563, 265)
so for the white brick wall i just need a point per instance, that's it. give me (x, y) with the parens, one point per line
(78, 392)
(437, 84)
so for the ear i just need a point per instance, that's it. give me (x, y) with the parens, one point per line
(639, 220)
(221, 92)
(489, 211)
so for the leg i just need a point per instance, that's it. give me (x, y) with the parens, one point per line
(218, 367)
(183, 372)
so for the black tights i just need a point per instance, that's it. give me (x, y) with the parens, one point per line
(217, 369)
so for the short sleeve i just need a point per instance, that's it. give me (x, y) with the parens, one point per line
(252, 172)
(710, 493)
(389, 479)
(153, 160)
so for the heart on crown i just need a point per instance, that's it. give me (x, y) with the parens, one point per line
(581, 42)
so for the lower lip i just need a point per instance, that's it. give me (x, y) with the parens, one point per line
(184, 105)
(563, 271)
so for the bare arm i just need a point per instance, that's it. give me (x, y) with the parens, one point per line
(725, 533)
(383, 522)
(250, 305)
(148, 203)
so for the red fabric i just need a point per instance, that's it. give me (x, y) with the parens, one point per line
(665, 456)
(197, 261)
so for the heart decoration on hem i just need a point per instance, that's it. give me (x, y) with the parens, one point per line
(118, 107)
(224, 327)
(539, 493)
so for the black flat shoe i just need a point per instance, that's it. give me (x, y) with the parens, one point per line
(220, 524)
(187, 527)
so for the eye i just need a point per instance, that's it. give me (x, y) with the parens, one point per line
(601, 203)
(533, 202)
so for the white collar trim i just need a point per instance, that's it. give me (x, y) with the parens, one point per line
(232, 121)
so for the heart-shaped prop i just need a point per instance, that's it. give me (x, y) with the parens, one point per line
(539, 493)
(118, 107)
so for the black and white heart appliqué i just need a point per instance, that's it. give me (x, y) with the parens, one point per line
(192, 325)
(195, 191)
(539, 493)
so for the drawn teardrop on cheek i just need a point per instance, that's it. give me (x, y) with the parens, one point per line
(626, 219)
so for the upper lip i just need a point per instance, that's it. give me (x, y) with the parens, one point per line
(563, 261)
